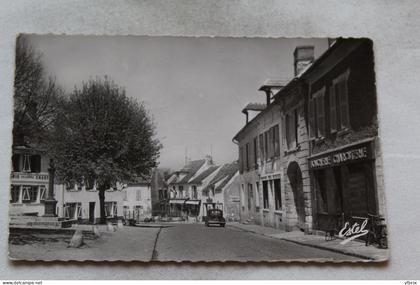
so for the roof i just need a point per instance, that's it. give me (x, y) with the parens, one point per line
(190, 169)
(138, 180)
(254, 107)
(203, 175)
(302, 75)
(273, 84)
(223, 176)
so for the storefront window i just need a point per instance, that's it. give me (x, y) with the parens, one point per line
(277, 194)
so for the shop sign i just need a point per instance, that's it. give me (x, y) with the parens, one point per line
(340, 157)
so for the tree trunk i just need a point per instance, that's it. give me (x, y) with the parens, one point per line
(101, 193)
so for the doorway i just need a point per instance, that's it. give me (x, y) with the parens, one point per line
(92, 212)
(295, 178)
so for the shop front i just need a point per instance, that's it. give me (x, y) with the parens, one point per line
(344, 185)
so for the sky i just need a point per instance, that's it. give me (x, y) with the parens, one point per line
(195, 88)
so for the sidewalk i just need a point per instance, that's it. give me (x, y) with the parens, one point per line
(352, 248)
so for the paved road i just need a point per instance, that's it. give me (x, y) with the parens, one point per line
(176, 242)
(195, 242)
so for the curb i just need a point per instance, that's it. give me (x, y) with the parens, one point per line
(311, 245)
(329, 249)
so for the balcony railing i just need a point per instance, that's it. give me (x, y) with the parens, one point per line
(29, 176)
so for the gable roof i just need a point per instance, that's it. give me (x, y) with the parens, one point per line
(190, 169)
(223, 176)
(203, 175)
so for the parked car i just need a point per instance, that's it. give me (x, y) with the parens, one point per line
(215, 216)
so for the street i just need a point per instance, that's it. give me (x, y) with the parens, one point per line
(175, 242)
(193, 242)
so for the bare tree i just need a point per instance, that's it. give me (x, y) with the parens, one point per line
(36, 96)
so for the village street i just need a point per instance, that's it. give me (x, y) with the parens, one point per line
(174, 242)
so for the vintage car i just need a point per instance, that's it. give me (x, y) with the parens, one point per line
(215, 216)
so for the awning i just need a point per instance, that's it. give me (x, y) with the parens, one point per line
(177, 201)
(193, 202)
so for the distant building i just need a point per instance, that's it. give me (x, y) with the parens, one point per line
(137, 200)
(80, 202)
(222, 191)
(183, 196)
(29, 181)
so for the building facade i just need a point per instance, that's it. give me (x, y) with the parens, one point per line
(29, 181)
(311, 159)
(80, 203)
(345, 159)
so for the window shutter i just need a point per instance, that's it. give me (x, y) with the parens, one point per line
(270, 143)
(344, 104)
(276, 140)
(320, 112)
(261, 138)
(296, 129)
(293, 129)
(311, 118)
(241, 160)
(333, 110)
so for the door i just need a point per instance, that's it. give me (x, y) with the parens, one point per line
(295, 178)
(92, 212)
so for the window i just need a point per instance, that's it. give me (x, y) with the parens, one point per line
(317, 114)
(266, 153)
(90, 184)
(165, 194)
(43, 193)
(292, 129)
(26, 163)
(194, 192)
(277, 194)
(70, 186)
(73, 211)
(16, 162)
(29, 194)
(261, 144)
(247, 156)
(35, 161)
(160, 194)
(265, 194)
(110, 209)
(250, 196)
(255, 153)
(276, 137)
(138, 195)
(241, 159)
(339, 105)
(14, 193)
(270, 143)
(242, 196)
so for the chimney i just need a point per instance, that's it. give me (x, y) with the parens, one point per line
(209, 160)
(303, 56)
